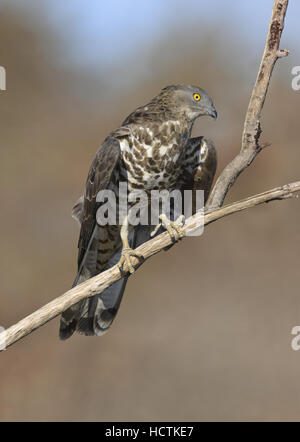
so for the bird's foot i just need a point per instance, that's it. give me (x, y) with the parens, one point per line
(173, 227)
(126, 258)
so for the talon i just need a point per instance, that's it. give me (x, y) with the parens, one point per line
(172, 227)
(126, 255)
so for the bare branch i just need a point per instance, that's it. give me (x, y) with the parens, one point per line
(213, 210)
(100, 282)
(252, 128)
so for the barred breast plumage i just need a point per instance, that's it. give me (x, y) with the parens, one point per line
(153, 162)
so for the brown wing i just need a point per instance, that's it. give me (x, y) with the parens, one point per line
(199, 167)
(99, 177)
(83, 315)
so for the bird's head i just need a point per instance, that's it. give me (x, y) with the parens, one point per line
(190, 101)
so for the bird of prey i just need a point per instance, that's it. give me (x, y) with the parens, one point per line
(152, 149)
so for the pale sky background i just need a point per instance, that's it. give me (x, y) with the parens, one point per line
(97, 33)
(121, 26)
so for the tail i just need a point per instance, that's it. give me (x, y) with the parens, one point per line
(94, 316)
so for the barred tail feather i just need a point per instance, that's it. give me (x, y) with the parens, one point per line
(94, 316)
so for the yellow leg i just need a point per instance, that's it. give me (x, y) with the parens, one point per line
(127, 251)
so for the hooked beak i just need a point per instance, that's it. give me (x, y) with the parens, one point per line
(213, 113)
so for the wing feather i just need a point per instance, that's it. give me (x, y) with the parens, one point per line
(99, 178)
(199, 167)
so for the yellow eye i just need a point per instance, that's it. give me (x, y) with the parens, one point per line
(196, 97)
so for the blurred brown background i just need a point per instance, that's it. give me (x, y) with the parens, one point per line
(204, 330)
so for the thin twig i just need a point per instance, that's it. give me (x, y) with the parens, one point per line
(252, 127)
